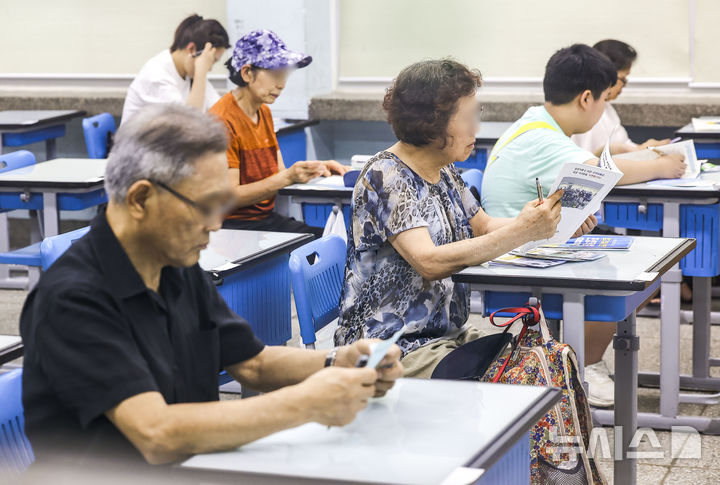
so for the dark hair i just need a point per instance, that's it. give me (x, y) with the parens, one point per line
(161, 142)
(198, 31)
(574, 69)
(235, 76)
(619, 53)
(424, 96)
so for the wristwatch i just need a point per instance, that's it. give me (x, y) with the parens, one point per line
(330, 357)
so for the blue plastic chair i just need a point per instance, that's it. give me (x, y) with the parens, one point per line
(98, 132)
(11, 200)
(18, 159)
(316, 285)
(15, 450)
(473, 179)
(52, 247)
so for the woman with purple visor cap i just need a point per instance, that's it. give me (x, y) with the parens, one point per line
(260, 66)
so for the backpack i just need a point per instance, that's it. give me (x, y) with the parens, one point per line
(559, 441)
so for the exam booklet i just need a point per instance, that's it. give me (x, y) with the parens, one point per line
(686, 148)
(597, 242)
(585, 188)
(558, 254)
(706, 123)
(512, 260)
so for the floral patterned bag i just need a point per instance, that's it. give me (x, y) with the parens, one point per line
(559, 441)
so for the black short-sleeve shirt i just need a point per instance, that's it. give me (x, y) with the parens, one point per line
(95, 335)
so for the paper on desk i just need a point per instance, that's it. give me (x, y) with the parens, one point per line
(686, 148)
(696, 182)
(333, 181)
(585, 188)
(706, 123)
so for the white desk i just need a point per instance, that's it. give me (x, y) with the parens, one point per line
(250, 269)
(29, 126)
(11, 347)
(65, 183)
(621, 281)
(66, 175)
(671, 199)
(290, 199)
(490, 132)
(419, 433)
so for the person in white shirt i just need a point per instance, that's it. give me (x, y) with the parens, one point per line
(622, 56)
(179, 74)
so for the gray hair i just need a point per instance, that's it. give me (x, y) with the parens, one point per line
(162, 142)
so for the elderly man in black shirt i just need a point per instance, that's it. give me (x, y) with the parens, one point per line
(125, 334)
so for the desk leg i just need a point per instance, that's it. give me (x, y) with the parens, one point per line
(50, 151)
(670, 342)
(701, 326)
(670, 321)
(574, 327)
(626, 369)
(4, 244)
(295, 209)
(282, 205)
(51, 223)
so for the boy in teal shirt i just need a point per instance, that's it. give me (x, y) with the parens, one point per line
(577, 82)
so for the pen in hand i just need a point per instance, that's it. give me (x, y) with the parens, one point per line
(539, 189)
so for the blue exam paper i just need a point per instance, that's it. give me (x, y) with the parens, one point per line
(381, 348)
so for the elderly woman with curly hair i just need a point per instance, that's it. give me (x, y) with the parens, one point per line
(415, 223)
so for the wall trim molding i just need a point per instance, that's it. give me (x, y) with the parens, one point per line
(61, 82)
(637, 85)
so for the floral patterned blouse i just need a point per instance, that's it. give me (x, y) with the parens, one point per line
(381, 291)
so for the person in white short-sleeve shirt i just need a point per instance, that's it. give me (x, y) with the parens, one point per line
(179, 74)
(622, 56)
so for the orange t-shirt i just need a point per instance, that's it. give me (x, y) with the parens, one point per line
(252, 148)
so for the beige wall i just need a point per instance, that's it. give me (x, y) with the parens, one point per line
(91, 36)
(514, 38)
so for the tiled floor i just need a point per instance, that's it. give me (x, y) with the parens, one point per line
(662, 469)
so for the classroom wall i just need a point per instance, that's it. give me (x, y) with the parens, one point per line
(93, 37)
(514, 39)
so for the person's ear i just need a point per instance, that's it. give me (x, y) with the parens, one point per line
(246, 73)
(585, 99)
(137, 198)
(191, 48)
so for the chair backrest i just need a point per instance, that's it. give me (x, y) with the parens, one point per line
(52, 247)
(18, 159)
(473, 179)
(316, 272)
(15, 450)
(98, 131)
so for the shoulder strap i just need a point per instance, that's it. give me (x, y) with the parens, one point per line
(533, 125)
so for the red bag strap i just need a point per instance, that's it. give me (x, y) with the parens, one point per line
(530, 315)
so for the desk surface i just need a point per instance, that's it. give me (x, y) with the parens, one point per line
(334, 188)
(231, 250)
(60, 173)
(667, 192)
(11, 348)
(288, 126)
(632, 270)
(31, 119)
(410, 436)
(688, 132)
(490, 131)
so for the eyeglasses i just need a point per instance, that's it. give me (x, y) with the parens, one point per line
(623, 80)
(210, 214)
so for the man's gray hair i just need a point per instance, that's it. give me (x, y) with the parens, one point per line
(162, 142)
